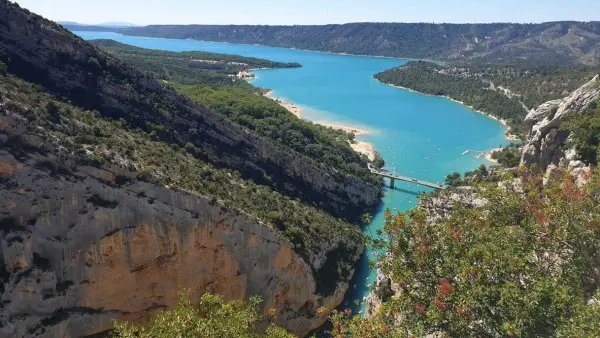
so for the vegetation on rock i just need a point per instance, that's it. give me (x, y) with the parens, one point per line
(481, 174)
(524, 264)
(210, 318)
(585, 131)
(94, 140)
(509, 156)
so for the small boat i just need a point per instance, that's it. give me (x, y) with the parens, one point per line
(465, 152)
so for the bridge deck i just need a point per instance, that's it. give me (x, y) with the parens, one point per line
(406, 179)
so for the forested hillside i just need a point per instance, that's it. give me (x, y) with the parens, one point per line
(546, 43)
(204, 68)
(72, 68)
(502, 90)
(212, 85)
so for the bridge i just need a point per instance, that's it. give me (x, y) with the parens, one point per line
(394, 177)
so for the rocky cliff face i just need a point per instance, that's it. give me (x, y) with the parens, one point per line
(545, 142)
(81, 246)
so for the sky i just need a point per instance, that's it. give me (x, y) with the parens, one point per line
(296, 12)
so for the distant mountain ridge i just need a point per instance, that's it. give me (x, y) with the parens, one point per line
(104, 24)
(567, 42)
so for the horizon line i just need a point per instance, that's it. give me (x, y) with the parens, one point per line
(134, 25)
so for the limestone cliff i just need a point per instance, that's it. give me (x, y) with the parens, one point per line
(545, 142)
(81, 246)
(89, 234)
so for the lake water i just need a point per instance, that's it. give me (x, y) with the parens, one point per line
(418, 136)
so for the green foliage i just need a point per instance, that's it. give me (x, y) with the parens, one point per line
(211, 318)
(2, 68)
(95, 140)
(584, 323)
(481, 174)
(525, 264)
(498, 89)
(94, 65)
(509, 156)
(53, 111)
(378, 161)
(189, 67)
(586, 135)
(453, 180)
(427, 78)
(366, 219)
(326, 146)
(535, 84)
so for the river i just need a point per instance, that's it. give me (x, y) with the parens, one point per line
(419, 136)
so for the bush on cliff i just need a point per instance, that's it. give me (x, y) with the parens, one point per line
(525, 264)
(586, 134)
(509, 156)
(211, 318)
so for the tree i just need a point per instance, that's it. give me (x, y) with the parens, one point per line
(211, 318)
(94, 65)
(366, 219)
(586, 135)
(525, 264)
(453, 180)
(509, 156)
(378, 161)
(53, 111)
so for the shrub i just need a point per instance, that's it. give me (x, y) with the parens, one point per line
(94, 65)
(525, 264)
(211, 318)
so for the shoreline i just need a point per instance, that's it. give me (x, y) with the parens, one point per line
(271, 46)
(361, 147)
(507, 135)
(488, 155)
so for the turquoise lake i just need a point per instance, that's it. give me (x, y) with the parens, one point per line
(418, 136)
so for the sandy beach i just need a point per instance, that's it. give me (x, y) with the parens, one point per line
(362, 147)
(348, 129)
(488, 155)
(508, 135)
(294, 109)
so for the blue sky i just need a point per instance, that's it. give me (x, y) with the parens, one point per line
(290, 12)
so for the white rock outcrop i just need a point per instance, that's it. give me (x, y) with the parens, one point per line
(545, 142)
